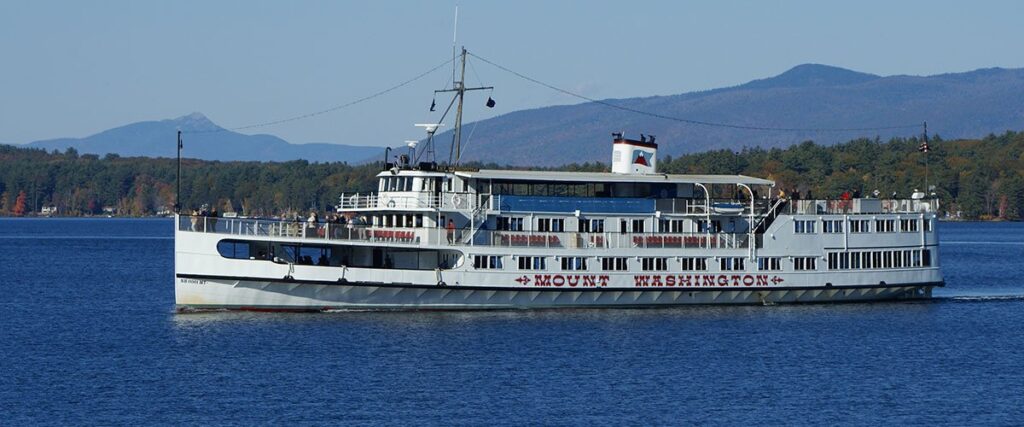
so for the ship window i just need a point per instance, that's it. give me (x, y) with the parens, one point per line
(702, 226)
(803, 226)
(769, 264)
(860, 225)
(926, 258)
(614, 264)
(653, 264)
(506, 223)
(551, 224)
(831, 226)
(532, 263)
(927, 225)
(488, 262)
(638, 226)
(885, 225)
(670, 226)
(908, 225)
(731, 264)
(694, 264)
(805, 263)
(574, 263)
(233, 249)
(591, 226)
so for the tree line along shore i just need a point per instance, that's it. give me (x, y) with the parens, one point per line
(974, 179)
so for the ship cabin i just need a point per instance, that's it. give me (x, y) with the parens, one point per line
(629, 206)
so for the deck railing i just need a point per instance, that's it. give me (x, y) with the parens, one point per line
(457, 201)
(861, 206)
(321, 232)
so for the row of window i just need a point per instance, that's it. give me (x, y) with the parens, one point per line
(646, 263)
(864, 260)
(907, 225)
(595, 225)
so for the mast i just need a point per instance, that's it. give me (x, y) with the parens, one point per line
(460, 89)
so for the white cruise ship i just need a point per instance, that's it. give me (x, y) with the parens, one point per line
(433, 238)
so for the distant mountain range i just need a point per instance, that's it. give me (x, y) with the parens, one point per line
(204, 140)
(961, 105)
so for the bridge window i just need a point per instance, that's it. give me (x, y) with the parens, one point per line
(908, 225)
(614, 264)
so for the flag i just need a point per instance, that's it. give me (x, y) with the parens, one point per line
(433, 104)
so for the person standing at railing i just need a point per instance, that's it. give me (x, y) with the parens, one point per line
(213, 220)
(844, 203)
(194, 219)
(451, 231)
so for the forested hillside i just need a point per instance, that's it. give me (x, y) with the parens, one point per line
(977, 178)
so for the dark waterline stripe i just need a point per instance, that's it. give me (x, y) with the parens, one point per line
(51, 237)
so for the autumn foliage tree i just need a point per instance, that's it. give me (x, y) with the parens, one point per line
(19, 205)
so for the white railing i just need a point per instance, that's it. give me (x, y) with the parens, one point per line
(247, 227)
(862, 206)
(451, 201)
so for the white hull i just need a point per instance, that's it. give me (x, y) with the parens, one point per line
(317, 296)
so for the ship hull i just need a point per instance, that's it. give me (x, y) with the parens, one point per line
(212, 293)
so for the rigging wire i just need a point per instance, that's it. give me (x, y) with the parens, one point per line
(328, 110)
(684, 120)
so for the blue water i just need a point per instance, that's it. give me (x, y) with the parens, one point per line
(89, 336)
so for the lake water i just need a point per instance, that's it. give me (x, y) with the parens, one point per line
(89, 336)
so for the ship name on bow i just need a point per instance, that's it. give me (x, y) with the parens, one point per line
(651, 280)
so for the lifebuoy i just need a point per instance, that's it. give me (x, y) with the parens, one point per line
(391, 203)
(441, 284)
(458, 201)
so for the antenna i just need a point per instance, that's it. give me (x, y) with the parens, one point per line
(455, 37)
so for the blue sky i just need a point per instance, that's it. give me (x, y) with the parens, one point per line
(74, 68)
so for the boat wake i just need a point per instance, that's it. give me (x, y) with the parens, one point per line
(980, 298)
(969, 242)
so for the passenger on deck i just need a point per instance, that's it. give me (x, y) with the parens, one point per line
(451, 231)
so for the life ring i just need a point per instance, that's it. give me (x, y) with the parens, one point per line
(458, 201)
(441, 284)
(354, 201)
(391, 203)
